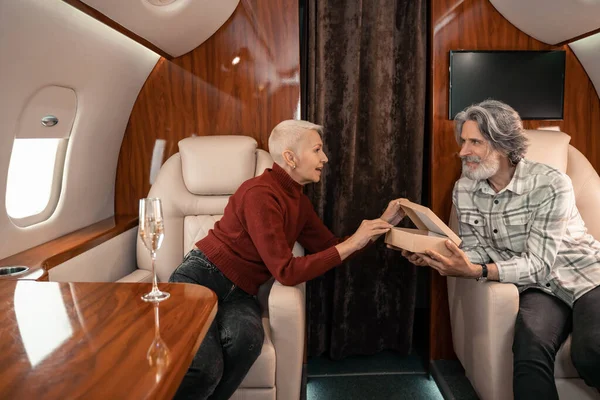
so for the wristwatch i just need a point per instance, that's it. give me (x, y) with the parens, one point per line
(484, 273)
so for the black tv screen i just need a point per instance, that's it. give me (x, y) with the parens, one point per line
(532, 82)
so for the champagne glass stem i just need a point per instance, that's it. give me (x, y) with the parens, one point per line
(154, 284)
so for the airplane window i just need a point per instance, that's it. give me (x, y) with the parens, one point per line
(34, 179)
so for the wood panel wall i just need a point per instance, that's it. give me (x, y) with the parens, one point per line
(476, 25)
(205, 92)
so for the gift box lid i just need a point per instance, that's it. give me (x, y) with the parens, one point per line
(425, 219)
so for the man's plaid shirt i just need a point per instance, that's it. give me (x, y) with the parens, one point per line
(531, 229)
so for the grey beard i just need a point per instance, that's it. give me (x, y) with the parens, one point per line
(486, 169)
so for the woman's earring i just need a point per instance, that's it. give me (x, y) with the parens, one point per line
(293, 166)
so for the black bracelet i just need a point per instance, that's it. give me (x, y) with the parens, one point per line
(484, 272)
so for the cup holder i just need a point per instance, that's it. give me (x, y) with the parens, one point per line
(13, 270)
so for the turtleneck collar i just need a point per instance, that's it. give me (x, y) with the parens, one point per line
(285, 180)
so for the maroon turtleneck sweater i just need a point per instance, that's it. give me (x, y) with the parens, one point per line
(262, 220)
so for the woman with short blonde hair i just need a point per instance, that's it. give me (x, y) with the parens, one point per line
(252, 243)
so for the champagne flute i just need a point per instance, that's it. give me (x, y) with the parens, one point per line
(152, 233)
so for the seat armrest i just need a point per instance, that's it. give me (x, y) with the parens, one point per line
(137, 276)
(106, 262)
(483, 317)
(287, 320)
(59, 250)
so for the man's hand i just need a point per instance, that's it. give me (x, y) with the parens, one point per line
(414, 258)
(457, 264)
(393, 214)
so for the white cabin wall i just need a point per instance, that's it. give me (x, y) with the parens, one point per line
(48, 42)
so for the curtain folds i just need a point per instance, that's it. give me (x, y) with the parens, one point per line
(366, 84)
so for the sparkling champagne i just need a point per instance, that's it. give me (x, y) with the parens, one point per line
(152, 233)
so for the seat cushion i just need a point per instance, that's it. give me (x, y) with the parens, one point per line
(262, 373)
(563, 367)
(255, 394)
(575, 389)
(195, 228)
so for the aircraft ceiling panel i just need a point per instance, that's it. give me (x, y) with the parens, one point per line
(587, 51)
(175, 26)
(551, 21)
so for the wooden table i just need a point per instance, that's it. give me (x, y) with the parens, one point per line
(92, 340)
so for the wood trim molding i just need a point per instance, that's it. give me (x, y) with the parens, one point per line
(576, 38)
(92, 12)
(57, 251)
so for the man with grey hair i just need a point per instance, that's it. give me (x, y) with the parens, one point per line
(519, 224)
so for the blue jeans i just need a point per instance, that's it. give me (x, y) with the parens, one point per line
(543, 324)
(234, 340)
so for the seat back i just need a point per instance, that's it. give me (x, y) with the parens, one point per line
(553, 148)
(586, 184)
(194, 186)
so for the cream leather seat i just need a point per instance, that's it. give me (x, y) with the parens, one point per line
(194, 186)
(483, 314)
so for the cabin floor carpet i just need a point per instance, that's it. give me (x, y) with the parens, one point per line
(385, 376)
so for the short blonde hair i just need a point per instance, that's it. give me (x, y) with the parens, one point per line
(286, 136)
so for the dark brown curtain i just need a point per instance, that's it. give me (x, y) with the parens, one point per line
(366, 78)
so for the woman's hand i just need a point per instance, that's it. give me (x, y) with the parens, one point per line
(367, 231)
(393, 213)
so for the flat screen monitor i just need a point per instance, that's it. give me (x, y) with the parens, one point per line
(532, 82)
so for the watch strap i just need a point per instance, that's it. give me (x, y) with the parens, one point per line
(484, 273)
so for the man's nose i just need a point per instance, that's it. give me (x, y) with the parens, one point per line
(465, 150)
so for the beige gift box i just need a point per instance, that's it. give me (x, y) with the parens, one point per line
(431, 234)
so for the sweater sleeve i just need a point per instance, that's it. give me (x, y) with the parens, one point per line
(315, 236)
(263, 219)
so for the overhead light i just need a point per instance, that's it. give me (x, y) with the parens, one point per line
(160, 2)
(235, 61)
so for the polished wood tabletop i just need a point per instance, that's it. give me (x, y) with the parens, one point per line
(98, 340)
